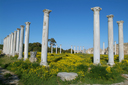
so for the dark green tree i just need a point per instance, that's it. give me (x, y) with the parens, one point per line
(52, 41)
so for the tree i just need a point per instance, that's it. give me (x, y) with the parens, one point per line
(52, 41)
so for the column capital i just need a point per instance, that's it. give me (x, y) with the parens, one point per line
(119, 21)
(18, 28)
(22, 26)
(12, 33)
(47, 11)
(27, 23)
(96, 9)
(110, 16)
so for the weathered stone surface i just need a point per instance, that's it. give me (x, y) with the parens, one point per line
(67, 76)
(33, 57)
(11, 80)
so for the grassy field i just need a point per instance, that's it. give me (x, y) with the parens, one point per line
(34, 74)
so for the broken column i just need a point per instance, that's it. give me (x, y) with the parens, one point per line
(96, 42)
(110, 40)
(17, 40)
(21, 42)
(83, 49)
(121, 40)
(26, 40)
(103, 47)
(45, 37)
(115, 47)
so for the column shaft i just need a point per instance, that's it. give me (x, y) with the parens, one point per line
(14, 44)
(96, 42)
(26, 40)
(121, 40)
(45, 37)
(115, 47)
(17, 40)
(21, 42)
(110, 40)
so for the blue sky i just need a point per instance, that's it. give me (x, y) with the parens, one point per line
(70, 22)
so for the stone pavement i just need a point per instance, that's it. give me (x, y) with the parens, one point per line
(8, 77)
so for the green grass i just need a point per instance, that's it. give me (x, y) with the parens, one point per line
(97, 74)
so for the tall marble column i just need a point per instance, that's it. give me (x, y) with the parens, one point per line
(10, 44)
(74, 49)
(103, 47)
(60, 48)
(3, 45)
(110, 40)
(71, 49)
(45, 37)
(14, 44)
(17, 40)
(21, 42)
(56, 48)
(115, 47)
(96, 30)
(121, 40)
(26, 40)
(51, 48)
(6, 45)
(80, 48)
(12, 41)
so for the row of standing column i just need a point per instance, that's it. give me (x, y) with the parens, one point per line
(13, 43)
(56, 48)
(96, 42)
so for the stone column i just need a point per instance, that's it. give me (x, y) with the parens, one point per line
(80, 48)
(56, 48)
(103, 47)
(3, 44)
(60, 48)
(17, 40)
(12, 40)
(96, 42)
(8, 42)
(83, 49)
(51, 48)
(77, 49)
(14, 44)
(74, 49)
(21, 42)
(110, 40)
(26, 40)
(10, 37)
(71, 49)
(6, 45)
(115, 47)
(121, 40)
(45, 37)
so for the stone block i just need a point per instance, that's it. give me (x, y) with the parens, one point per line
(67, 76)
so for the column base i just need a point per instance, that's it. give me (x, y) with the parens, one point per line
(44, 64)
(111, 64)
(19, 58)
